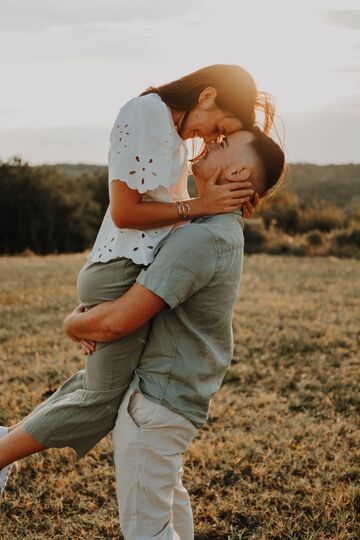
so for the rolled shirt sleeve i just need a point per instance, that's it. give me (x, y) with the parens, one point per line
(184, 264)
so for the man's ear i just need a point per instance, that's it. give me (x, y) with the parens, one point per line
(238, 173)
(207, 97)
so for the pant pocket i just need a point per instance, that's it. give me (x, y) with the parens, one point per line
(141, 414)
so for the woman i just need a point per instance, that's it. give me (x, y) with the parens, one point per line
(148, 197)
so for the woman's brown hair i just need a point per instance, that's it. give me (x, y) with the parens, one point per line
(236, 93)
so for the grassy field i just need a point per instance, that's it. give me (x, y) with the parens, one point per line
(280, 455)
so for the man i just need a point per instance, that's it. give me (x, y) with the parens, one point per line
(195, 275)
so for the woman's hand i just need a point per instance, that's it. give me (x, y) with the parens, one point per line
(224, 198)
(249, 207)
(88, 346)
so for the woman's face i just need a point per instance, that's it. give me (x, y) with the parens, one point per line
(208, 121)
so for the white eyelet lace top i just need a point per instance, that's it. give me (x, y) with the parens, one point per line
(148, 154)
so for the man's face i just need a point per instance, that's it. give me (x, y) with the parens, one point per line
(231, 155)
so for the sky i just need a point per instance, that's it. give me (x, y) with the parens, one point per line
(67, 67)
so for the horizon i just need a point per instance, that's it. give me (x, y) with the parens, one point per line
(90, 164)
(85, 164)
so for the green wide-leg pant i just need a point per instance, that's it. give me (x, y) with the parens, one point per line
(84, 408)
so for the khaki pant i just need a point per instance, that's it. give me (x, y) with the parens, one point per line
(149, 441)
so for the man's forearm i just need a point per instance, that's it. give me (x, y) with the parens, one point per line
(93, 325)
(113, 320)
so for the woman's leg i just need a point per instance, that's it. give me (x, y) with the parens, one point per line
(77, 415)
(84, 409)
(18, 444)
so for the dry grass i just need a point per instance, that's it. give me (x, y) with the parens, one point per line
(280, 455)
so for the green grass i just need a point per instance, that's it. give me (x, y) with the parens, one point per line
(280, 455)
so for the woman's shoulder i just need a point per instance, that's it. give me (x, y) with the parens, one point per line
(145, 150)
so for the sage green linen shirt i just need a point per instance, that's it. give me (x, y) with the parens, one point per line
(197, 272)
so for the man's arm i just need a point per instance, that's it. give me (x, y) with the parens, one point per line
(183, 265)
(113, 320)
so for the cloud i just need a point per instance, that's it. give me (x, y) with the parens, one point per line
(40, 14)
(344, 18)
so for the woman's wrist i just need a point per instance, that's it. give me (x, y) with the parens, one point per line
(183, 209)
(196, 208)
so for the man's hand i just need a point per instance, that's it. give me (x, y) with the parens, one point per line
(249, 207)
(69, 319)
(88, 346)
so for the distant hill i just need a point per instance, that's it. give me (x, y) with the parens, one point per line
(78, 169)
(59, 208)
(330, 184)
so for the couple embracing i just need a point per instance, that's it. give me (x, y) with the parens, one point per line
(158, 290)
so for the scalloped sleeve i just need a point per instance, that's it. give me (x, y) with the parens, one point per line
(141, 145)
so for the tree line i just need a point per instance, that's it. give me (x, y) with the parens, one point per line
(46, 211)
(59, 209)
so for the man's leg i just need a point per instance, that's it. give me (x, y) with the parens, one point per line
(148, 442)
(182, 513)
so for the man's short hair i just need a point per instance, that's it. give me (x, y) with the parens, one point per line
(271, 159)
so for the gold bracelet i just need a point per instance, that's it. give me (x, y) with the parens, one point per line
(186, 209)
(183, 210)
(180, 210)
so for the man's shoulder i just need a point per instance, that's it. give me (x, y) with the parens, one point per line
(227, 229)
(214, 225)
(211, 234)
(191, 236)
